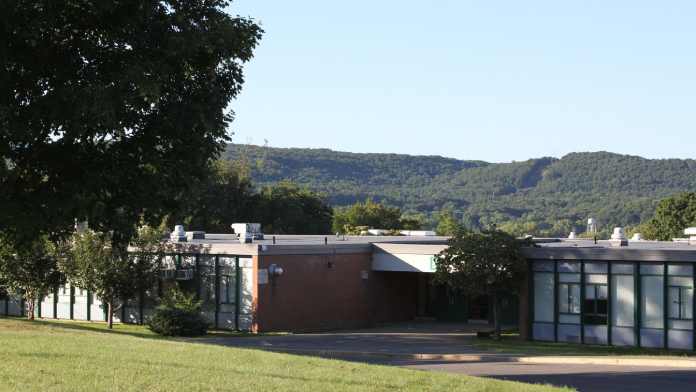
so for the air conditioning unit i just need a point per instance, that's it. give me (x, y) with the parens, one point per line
(168, 274)
(184, 274)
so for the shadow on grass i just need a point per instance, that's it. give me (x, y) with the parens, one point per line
(135, 330)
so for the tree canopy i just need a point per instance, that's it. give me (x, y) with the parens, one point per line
(226, 195)
(89, 261)
(672, 216)
(289, 209)
(31, 270)
(109, 110)
(542, 197)
(483, 263)
(372, 215)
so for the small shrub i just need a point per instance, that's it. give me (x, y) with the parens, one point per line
(179, 315)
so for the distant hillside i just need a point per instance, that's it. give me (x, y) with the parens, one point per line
(545, 195)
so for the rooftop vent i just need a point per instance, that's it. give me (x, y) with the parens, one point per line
(591, 226)
(691, 232)
(195, 235)
(178, 235)
(618, 238)
(247, 232)
(418, 233)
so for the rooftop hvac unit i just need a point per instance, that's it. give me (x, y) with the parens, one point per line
(247, 230)
(168, 274)
(184, 274)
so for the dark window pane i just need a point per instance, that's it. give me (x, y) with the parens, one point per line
(588, 305)
(601, 306)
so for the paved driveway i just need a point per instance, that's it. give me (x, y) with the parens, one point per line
(400, 339)
(392, 344)
(582, 377)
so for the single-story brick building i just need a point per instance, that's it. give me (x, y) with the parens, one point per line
(636, 293)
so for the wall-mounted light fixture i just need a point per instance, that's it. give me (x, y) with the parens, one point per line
(274, 270)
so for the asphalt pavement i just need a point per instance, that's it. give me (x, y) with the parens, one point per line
(395, 346)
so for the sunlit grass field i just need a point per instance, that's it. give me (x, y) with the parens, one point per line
(64, 356)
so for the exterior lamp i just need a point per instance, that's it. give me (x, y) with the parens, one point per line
(275, 270)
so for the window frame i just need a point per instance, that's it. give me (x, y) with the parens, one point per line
(227, 299)
(568, 301)
(680, 302)
(590, 314)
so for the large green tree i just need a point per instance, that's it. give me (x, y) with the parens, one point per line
(30, 270)
(289, 209)
(483, 263)
(672, 216)
(219, 199)
(90, 261)
(109, 110)
(372, 215)
(447, 223)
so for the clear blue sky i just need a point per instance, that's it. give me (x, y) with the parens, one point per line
(490, 80)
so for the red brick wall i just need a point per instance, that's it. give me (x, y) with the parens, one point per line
(395, 296)
(312, 295)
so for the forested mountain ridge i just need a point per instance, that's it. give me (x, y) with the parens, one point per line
(546, 196)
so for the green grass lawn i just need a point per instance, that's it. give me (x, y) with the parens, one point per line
(512, 344)
(66, 356)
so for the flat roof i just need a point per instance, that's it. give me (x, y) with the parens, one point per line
(298, 244)
(587, 249)
(589, 243)
(546, 248)
(287, 239)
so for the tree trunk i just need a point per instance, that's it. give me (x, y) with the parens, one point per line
(31, 302)
(110, 315)
(496, 317)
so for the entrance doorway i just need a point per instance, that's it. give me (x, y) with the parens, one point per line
(478, 309)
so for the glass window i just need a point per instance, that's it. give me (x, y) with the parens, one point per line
(595, 304)
(652, 301)
(568, 266)
(543, 297)
(681, 303)
(227, 289)
(569, 298)
(622, 301)
(596, 268)
(543, 266)
(680, 270)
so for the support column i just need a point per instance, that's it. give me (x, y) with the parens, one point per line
(55, 302)
(665, 307)
(237, 292)
(217, 291)
(530, 299)
(72, 302)
(582, 302)
(609, 298)
(638, 317)
(123, 311)
(197, 277)
(555, 301)
(89, 305)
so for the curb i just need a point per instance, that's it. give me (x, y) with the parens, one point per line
(612, 361)
(482, 358)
